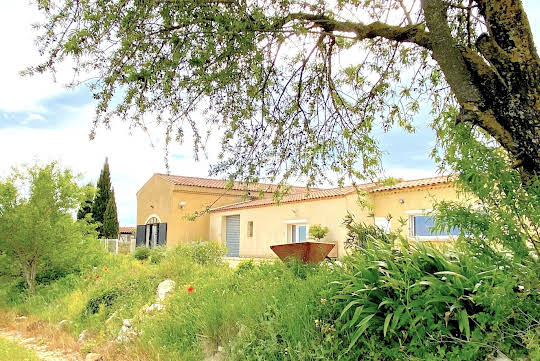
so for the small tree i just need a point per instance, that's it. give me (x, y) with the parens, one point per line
(317, 232)
(110, 219)
(36, 225)
(101, 199)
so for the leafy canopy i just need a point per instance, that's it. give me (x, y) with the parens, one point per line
(37, 229)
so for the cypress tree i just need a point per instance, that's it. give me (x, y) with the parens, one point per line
(102, 197)
(110, 219)
(86, 205)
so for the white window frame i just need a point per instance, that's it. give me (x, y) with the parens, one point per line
(297, 223)
(423, 212)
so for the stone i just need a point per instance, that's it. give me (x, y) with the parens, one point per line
(154, 307)
(164, 289)
(127, 333)
(93, 357)
(83, 336)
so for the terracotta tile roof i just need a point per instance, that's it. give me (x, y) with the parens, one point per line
(125, 230)
(334, 192)
(222, 184)
(414, 183)
(297, 197)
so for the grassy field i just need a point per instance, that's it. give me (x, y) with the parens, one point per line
(13, 352)
(288, 311)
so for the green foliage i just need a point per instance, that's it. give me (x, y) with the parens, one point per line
(101, 200)
(423, 304)
(204, 253)
(141, 253)
(360, 233)
(105, 298)
(110, 219)
(317, 232)
(37, 231)
(499, 209)
(85, 208)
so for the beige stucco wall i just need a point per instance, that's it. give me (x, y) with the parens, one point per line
(387, 203)
(270, 227)
(161, 198)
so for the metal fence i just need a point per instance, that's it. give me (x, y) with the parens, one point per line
(119, 246)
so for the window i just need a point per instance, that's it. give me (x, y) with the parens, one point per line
(151, 234)
(384, 223)
(298, 233)
(250, 229)
(421, 226)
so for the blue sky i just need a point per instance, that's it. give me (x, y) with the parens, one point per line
(42, 120)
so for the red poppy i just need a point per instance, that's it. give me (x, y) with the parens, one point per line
(89, 277)
(190, 289)
(97, 277)
(142, 262)
(105, 269)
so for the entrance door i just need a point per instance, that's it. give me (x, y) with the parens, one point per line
(232, 235)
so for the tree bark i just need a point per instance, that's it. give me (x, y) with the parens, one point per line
(502, 94)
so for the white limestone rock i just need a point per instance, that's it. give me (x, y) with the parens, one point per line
(164, 289)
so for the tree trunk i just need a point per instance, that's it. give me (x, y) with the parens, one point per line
(498, 83)
(29, 270)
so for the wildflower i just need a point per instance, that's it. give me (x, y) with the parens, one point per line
(317, 323)
(97, 277)
(89, 277)
(286, 351)
(190, 289)
(105, 269)
(323, 301)
(142, 262)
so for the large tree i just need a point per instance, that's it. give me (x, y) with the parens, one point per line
(101, 200)
(297, 87)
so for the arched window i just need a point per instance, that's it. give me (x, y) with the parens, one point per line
(153, 220)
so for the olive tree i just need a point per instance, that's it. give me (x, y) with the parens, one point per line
(296, 88)
(37, 228)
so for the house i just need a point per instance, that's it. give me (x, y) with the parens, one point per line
(126, 234)
(248, 221)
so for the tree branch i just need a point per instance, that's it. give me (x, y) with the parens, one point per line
(404, 34)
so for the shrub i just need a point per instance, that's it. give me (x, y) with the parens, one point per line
(206, 253)
(360, 233)
(141, 253)
(157, 254)
(317, 232)
(105, 298)
(422, 304)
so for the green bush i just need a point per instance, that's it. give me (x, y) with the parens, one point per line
(141, 253)
(105, 298)
(205, 253)
(423, 304)
(317, 232)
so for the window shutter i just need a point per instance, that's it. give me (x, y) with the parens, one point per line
(140, 241)
(162, 234)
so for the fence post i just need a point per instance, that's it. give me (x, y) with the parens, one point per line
(117, 240)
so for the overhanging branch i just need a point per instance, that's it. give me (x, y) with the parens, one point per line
(404, 34)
